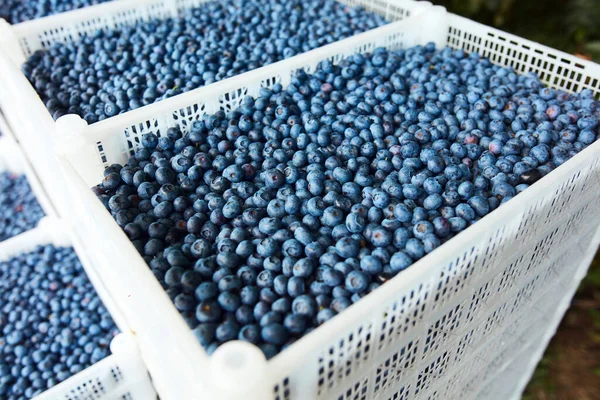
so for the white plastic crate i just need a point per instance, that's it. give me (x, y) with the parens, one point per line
(33, 126)
(30, 120)
(467, 321)
(122, 374)
(13, 160)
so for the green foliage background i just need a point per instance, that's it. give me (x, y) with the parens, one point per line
(569, 25)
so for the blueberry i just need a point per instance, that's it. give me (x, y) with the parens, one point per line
(205, 333)
(184, 302)
(296, 286)
(304, 305)
(208, 311)
(295, 323)
(400, 261)
(371, 265)
(465, 212)
(265, 279)
(530, 176)
(503, 190)
(274, 333)
(457, 224)
(356, 281)
(340, 303)
(332, 277)
(249, 295)
(227, 331)
(303, 268)
(402, 213)
(347, 247)
(423, 228)
(250, 333)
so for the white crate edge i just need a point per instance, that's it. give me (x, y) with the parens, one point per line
(124, 362)
(171, 357)
(124, 366)
(301, 379)
(4, 129)
(13, 160)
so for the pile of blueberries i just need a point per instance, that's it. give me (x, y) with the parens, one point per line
(114, 71)
(52, 322)
(15, 11)
(19, 208)
(267, 221)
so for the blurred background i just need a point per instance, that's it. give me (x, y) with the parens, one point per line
(569, 25)
(570, 368)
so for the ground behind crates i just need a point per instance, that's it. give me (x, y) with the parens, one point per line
(570, 369)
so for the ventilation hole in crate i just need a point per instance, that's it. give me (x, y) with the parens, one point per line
(465, 345)
(344, 359)
(336, 59)
(524, 296)
(435, 395)
(25, 47)
(487, 257)
(528, 224)
(509, 276)
(392, 371)
(90, 390)
(116, 373)
(89, 26)
(540, 253)
(402, 315)
(479, 299)
(495, 319)
(185, 117)
(553, 270)
(439, 332)
(282, 390)
(129, 17)
(453, 278)
(358, 391)
(269, 82)
(395, 41)
(402, 394)
(431, 373)
(101, 152)
(55, 35)
(232, 100)
(396, 13)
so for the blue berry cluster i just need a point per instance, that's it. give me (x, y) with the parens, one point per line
(15, 11)
(52, 322)
(19, 209)
(115, 71)
(267, 221)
